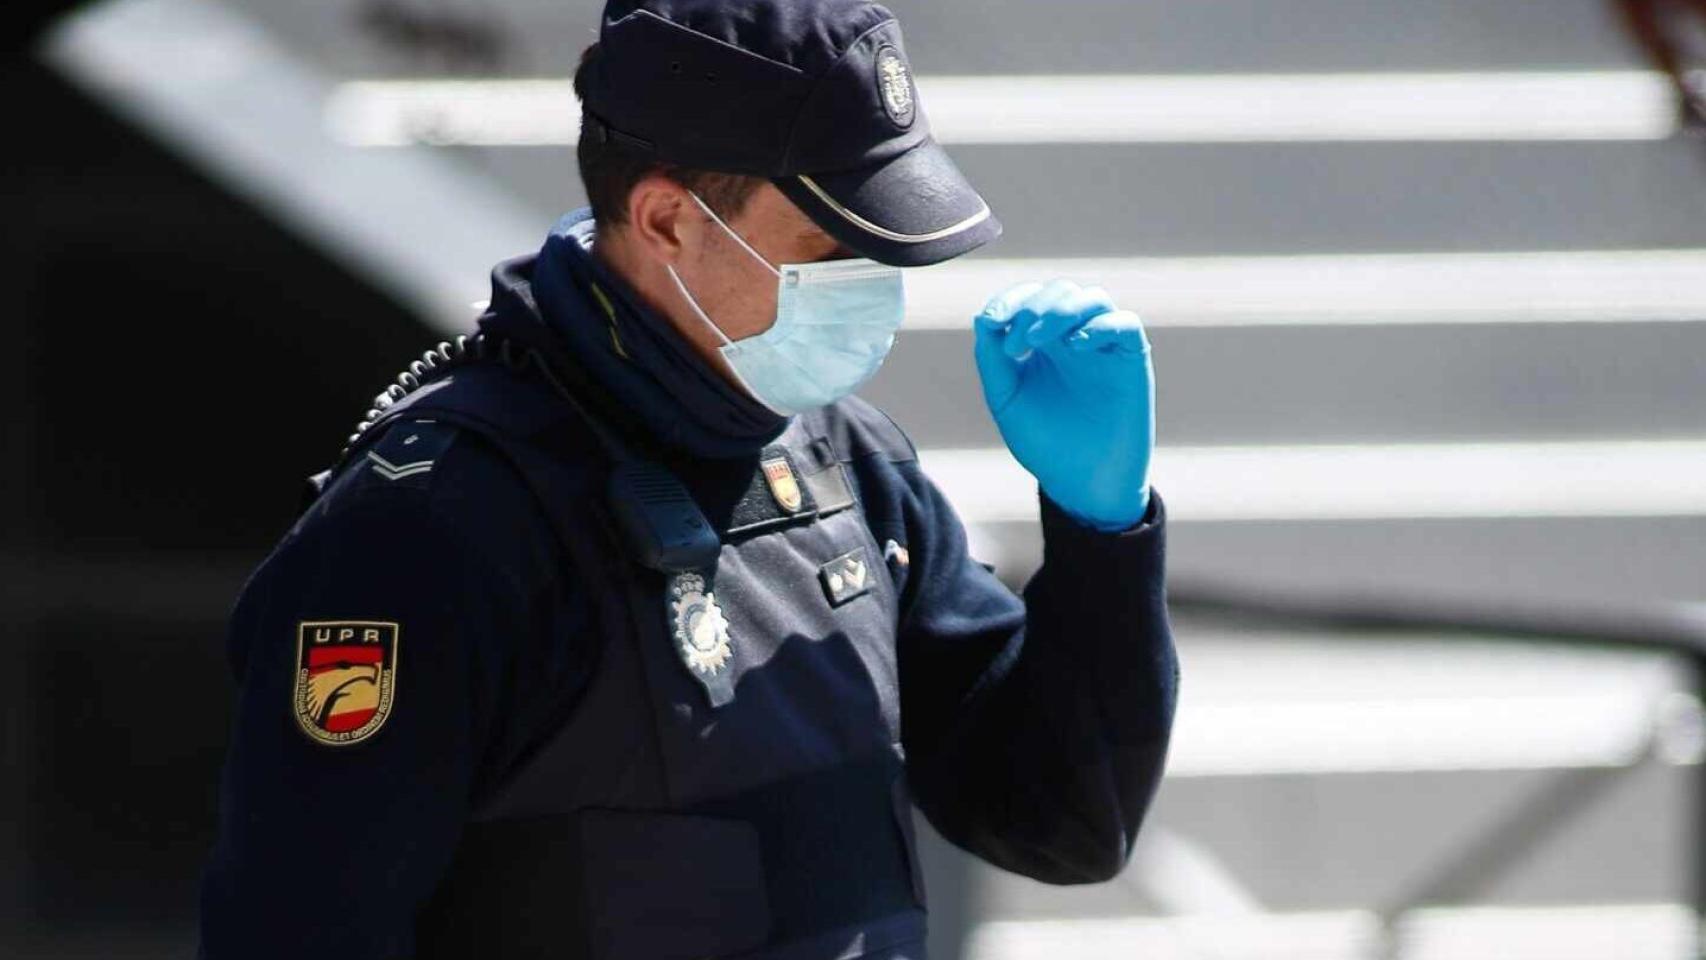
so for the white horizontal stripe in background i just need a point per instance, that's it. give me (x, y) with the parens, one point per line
(1609, 729)
(1656, 931)
(1524, 287)
(1613, 478)
(1219, 108)
(1612, 286)
(1294, 704)
(1255, 108)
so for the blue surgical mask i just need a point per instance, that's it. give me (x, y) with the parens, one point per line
(835, 322)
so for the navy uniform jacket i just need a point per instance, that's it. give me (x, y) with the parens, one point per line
(1034, 730)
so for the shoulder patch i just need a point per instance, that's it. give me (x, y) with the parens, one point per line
(346, 678)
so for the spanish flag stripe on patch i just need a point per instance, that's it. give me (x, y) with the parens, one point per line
(345, 687)
(320, 657)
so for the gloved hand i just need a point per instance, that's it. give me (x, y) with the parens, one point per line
(1068, 379)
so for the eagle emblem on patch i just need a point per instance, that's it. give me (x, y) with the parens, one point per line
(346, 678)
(895, 82)
(701, 630)
(783, 486)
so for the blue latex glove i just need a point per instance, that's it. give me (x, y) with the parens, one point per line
(1068, 379)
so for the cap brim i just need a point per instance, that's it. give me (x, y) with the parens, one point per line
(911, 210)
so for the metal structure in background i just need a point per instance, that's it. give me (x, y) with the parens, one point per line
(1677, 733)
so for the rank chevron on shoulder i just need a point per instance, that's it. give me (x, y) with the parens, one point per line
(393, 471)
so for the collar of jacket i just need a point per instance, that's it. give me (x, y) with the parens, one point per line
(633, 354)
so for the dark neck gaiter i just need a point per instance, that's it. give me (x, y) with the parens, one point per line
(636, 356)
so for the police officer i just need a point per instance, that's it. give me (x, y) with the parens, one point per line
(622, 630)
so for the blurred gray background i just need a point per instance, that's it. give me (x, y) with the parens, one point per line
(1426, 283)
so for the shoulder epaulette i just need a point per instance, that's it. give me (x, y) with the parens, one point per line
(858, 429)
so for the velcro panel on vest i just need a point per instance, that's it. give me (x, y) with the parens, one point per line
(830, 489)
(775, 495)
(671, 886)
(789, 487)
(824, 475)
(601, 884)
(835, 854)
(774, 866)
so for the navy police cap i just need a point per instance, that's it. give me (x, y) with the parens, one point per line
(816, 95)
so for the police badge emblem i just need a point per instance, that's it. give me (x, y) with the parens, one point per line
(346, 678)
(895, 82)
(701, 631)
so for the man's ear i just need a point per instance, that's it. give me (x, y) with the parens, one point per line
(662, 218)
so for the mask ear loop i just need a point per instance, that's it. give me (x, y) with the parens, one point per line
(737, 237)
(694, 303)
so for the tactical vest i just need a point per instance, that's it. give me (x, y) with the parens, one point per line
(730, 782)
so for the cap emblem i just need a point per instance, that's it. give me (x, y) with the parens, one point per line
(895, 82)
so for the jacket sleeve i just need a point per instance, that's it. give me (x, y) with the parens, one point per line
(1036, 730)
(328, 850)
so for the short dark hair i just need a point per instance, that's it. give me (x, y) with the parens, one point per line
(610, 167)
